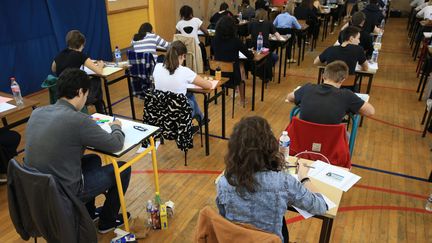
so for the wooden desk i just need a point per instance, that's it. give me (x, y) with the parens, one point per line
(133, 138)
(334, 194)
(18, 111)
(207, 99)
(281, 44)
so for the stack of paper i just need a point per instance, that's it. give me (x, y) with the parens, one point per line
(333, 175)
(193, 86)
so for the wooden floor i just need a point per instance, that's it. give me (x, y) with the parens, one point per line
(382, 207)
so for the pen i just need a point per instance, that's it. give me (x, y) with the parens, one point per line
(113, 118)
(308, 166)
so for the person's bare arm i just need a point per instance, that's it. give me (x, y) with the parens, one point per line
(204, 30)
(53, 67)
(367, 109)
(364, 66)
(278, 36)
(302, 173)
(318, 62)
(95, 67)
(202, 82)
(291, 97)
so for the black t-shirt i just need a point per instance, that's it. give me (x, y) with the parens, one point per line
(215, 18)
(374, 17)
(265, 27)
(69, 58)
(350, 54)
(326, 104)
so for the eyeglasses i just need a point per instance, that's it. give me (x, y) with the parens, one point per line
(140, 128)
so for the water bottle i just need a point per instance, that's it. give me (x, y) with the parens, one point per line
(379, 38)
(374, 58)
(240, 17)
(149, 208)
(428, 205)
(218, 73)
(117, 56)
(260, 42)
(382, 24)
(284, 143)
(16, 91)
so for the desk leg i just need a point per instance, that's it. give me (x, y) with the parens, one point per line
(206, 125)
(108, 98)
(131, 98)
(369, 84)
(286, 53)
(304, 46)
(223, 112)
(263, 80)
(280, 62)
(326, 228)
(299, 43)
(154, 163)
(5, 123)
(253, 86)
(120, 192)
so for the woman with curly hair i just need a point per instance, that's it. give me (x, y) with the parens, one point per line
(253, 189)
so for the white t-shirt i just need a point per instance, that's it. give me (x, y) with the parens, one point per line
(195, 23)
(177, 82)
(425, 13)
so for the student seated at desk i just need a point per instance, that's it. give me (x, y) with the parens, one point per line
(226, 46)
(426, 12)
(253, 189)
(56, 137)
(374, 16)
(286, 23)
(9, 141)
(189, 26)
(223, 11)
(247, 11)
(326, 103)
(306, 11)
(73, 57)
(349, 51)
(172, 76)
(358, 20)
(146, 41)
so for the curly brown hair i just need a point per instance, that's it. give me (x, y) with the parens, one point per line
(252, 148)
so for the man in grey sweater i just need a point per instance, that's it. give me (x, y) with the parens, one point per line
(56, 138)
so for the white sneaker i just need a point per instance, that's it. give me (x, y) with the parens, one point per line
(3, 178)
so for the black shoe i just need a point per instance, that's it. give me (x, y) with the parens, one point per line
(202, 123)
(194, 130)
(107, 227)
(95, 216)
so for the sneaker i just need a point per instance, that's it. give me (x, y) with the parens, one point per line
(95, 216)
(292, 60)
(194, 130)
(3, 178)
(105, 228)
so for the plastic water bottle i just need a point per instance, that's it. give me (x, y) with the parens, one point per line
(218, 73)
(240, 17)
(149, 208)
(260, 42)
(284, 143)
(117, 56)
(382, 24)
(428, 205)
(16, 91)
(374, 58)
(379, 38)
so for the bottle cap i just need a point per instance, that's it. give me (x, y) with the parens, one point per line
(284, 133)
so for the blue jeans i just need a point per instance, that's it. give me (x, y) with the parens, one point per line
(98, 180)
(195, 107)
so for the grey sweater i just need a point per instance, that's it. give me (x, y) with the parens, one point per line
(56, 137)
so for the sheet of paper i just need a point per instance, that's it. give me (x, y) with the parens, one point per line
(106, 71)
(4, 99)
(6, 106)
(242, 56)
(372, 67)
(364, 97)
(193, 86)
(330, 203)
(333, 175)
(307, 215)
(427, 34)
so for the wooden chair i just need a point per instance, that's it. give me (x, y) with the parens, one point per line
(227, 69)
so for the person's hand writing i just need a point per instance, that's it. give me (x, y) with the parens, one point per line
(302, 171)
(100, 63)
(116, 122)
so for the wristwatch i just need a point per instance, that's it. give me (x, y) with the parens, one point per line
(304, 180)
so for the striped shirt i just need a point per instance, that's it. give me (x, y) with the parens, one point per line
(149, 44)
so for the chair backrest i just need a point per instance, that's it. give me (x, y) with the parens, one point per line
(172, 113)
(51, 84)
(194, 57)
(141, 72)
(329, 140)
(226, 67)
(212, 227)
(40, 206)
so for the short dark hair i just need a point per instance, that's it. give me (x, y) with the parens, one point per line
(186, 12)
(246, 2)
(260, 4)
(350, 31)
(69, 83)
(223, 6)
(336, 71)
(226, 28)
(358, 18)
(252, 148)
(75, 39)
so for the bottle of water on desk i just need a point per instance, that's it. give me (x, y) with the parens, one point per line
(16, 91)
(428, 205)
(374, 58)
(117, 56)
(240, 17)
(260, 42)
(382, 24)
(284, 144)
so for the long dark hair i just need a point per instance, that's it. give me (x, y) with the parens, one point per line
(171, 62)
(307, 4)
(226, 28)
(144, 28)
(252, 148)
